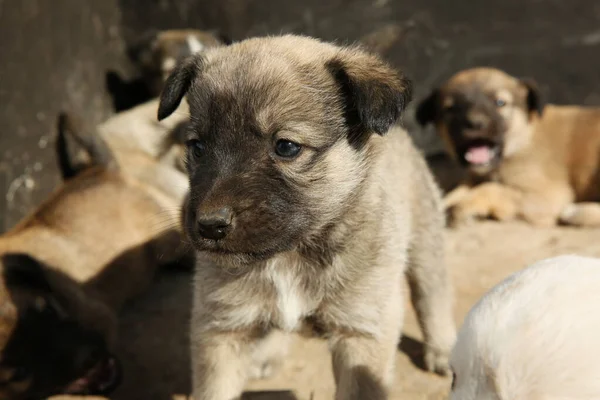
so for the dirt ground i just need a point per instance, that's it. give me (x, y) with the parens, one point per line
(154, 343)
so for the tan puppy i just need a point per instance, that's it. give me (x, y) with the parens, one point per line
(158, 52)
(524, 160)
(310, 210)
(68, 267)
(136, 131)
(534, 336)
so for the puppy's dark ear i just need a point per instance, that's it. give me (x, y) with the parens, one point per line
(535, 102)
(71, 140)
(427, 109)
(374, 93)
(22, 270)
(177, 85)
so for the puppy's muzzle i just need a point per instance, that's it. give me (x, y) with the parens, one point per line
(214, 224)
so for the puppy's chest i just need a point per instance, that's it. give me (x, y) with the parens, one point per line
(292, 297)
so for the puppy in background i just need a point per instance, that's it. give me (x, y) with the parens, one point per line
(523, 159)
(67, 268)
(157, 53)
(154, 55)
(311, 207)
(534, 336)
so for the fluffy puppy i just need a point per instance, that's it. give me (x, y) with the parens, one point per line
(534, 336)
(524, 160)
(311, 208)
(67, 268)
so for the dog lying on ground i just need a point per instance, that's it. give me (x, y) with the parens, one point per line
(524, 160)
(68, 267)
(310, 210)
(534, 336)
(137, 131)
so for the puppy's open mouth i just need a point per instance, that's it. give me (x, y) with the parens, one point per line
(101, 379)
(481, 152)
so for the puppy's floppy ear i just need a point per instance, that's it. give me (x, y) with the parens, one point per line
(177, 85)
(534, 97)
(374, 93)
(21, 269)
(70, 138)
(427, 109)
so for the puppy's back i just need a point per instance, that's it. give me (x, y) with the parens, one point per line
(535, 335)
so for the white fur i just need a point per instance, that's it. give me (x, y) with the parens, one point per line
(169, 64)
(194, 44)
(535, 336)
(291, 302)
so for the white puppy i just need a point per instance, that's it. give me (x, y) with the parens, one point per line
(535, 336)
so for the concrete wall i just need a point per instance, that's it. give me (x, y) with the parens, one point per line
(55, 55)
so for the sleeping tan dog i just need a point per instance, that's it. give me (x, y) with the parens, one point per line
(67, 268)
(312, 208)
(524, 160)
(534, 336)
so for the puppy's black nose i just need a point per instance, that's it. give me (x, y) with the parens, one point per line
(214, 224)
(477, 121)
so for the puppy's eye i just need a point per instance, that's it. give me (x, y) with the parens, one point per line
(500, 103)
(195, 147)
(287, 149)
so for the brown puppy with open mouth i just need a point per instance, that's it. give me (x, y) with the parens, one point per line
(524, 160)
(67, 268)
(311, 208)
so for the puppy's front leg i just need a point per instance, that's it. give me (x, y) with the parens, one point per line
(220, 364)
(363, 367)
(363, 364)
(490, 199)
(585, 214)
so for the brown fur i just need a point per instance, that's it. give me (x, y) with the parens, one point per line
(322, 237)
(548, 164)
(70, 265)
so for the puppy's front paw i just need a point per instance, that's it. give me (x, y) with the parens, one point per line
(437, 361)
(458, 216)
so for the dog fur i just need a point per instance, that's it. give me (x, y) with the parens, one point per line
(157, 53)
(545, 166)
(534, 336)
(67, 268)
(322, 238)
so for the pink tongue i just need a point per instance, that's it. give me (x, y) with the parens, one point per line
(478, 155)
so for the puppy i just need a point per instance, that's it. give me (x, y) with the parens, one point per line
(157, 53)
(524, 160)
(136, 131)
(67, 268)
(534, 336)
(309, 210)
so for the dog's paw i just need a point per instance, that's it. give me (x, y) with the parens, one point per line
(457, 216)
(437, 361)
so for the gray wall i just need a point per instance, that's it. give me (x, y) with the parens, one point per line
(55, 55)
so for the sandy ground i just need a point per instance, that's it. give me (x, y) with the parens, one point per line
(154, 343)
